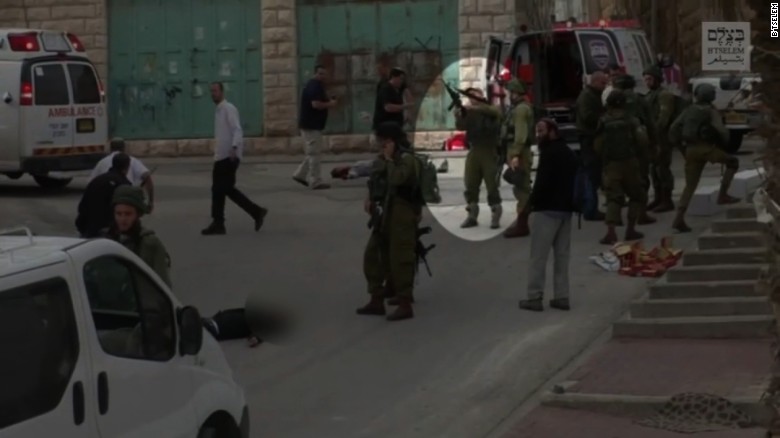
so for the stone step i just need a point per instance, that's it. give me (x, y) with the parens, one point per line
(699, 327)
(683, 274)
(725, 257)
(663, 289)
(737, 226)
(677, 308)
(711, 240)
(741, 211)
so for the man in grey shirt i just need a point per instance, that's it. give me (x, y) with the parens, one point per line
(228, 152)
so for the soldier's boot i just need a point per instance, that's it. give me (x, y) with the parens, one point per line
(611, 237)
(725, 184)
(471, 219)
(403, 311)
(534, 305)
(633, 234)
(644, 218)
(679, 222)
(374, 307)
(519, 228)
(496, 211)
(666, 205)
(395, 301)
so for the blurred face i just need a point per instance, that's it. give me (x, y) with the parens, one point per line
(217, 95)
(397, 81)
(649, 81)
(478, 94)
(542, 132)
(388, 146)
(599, 80)
(125, 217)
(321, 74)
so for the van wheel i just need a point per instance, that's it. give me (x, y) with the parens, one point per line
(735, 141)
(219, 425)
(51, 183)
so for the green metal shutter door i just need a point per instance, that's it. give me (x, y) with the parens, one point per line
(164, 54)
(420, 36)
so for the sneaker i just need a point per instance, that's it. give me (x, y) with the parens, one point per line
(532, 305)
(214, 229)
(300, 181)
(260, 218)
(560, 304)
(211, 327)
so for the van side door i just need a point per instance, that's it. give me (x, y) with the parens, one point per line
(10, 90)
(496, 54)
(144, 387)
(90, 119)
(48, 120)
(45, 374)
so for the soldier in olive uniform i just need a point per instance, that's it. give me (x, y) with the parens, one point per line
(517, 138)
(637, 108)
(395, 205)
(589, 110)
(700, 129)
(482, 123)
(662, 106)
(620, 138)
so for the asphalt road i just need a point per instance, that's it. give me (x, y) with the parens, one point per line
(459, 369)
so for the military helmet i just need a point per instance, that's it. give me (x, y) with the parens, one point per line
(132, 196)
(616, 99)
(624, 82)
(704, 93)
(389, 131)
(655, 72)
(515, 86)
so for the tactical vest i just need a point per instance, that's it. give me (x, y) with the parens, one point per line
(618, 138)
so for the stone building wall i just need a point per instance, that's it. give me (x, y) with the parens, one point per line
(478, 19)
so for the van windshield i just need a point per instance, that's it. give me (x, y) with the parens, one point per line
(85, 84)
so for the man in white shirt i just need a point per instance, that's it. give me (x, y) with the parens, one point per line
(138, 174)
(613, 71)
(228, 151)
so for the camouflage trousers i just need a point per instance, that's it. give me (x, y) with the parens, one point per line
(623, 179)
(390, 257)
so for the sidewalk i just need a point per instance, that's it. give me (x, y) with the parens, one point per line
(627, 380)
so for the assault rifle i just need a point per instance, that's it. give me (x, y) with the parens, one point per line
(422, 251)
(455, 94)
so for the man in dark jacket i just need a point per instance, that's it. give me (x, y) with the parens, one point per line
(96, 213)
(552, 204)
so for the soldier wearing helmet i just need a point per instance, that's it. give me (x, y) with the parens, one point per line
(700, 131)
(482, 123)
(636, 107)
(619, 142)
(516, 139)
(389, 256)
(662, 105)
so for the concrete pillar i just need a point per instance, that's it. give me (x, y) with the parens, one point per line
(280, 75)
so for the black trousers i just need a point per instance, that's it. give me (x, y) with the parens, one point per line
(592, 164)
(223, 185)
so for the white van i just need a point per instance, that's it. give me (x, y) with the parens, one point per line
(557, 64)
(52, 107)
(95, 345)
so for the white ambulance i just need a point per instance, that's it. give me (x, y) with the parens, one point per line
(95, 345)
(53, 116)
(556, 65)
